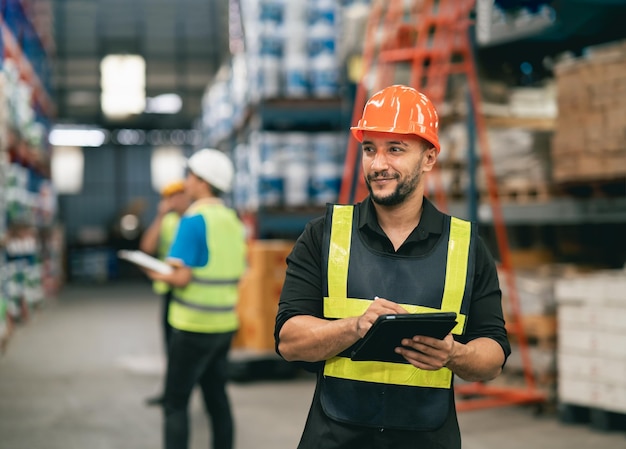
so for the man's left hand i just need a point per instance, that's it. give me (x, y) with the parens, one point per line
(427, 353)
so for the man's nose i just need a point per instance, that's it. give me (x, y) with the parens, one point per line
(379, 161)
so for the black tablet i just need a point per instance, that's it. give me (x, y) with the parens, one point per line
(389, 330)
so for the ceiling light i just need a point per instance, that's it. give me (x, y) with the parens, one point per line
(164, 104)
(123, 83)
(76, 136)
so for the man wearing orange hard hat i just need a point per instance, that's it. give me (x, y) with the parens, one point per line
(157, 240)
(392, 259)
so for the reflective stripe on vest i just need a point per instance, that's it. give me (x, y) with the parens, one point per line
(338, 305)
(209, 308)
(203, 307)
(197, 280)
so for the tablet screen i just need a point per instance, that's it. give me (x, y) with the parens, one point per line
(389, 330)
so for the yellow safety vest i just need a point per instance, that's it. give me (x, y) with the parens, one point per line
(355, 274)
(207, 304)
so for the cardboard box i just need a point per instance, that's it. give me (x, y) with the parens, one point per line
(610, 397)
(577, 392)
(259, 293)
(579, 366)
(573, 341)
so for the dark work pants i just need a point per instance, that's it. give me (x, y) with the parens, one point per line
(167, 329)
(196, 358)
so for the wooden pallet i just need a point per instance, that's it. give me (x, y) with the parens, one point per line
(521, 194)
(597, 418)
(593, 188)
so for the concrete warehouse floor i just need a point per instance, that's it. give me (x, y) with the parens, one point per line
(76, 375)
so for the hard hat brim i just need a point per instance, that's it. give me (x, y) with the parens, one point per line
(357, 133)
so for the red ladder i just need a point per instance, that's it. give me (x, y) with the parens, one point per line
(431, 39)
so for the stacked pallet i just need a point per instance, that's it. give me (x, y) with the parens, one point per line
(592, 348)
(520, 158)
(537, 321)
(521, 164)
(589, 142)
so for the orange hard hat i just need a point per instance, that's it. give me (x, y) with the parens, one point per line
(173, 187)
(401, 110)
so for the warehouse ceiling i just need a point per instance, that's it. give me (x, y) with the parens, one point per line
(182, 41)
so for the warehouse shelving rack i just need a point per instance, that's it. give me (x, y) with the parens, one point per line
(288, 115)
(29, 236)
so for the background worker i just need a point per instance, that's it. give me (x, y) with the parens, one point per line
(208, 257)
(392, 253)
(156, 240)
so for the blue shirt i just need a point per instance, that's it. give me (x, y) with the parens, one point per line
(190, 245)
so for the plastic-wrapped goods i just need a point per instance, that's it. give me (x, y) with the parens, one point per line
(296, 182)
(324, 76)
(20, 203)
(33, 290)
(321, 39)
(295, 145)
(296, 152)
(295, 39)
(326, 182)
(247, 168)
(323, 11)
(4, 169)
(328, 147)
(271, 43)
(296, 66)
(271, 169)
(328, 153)
(14, 287)
(270, 146)
(271, 40)
(4, 330)
(272, 11)
(295, 10)
(270, 183)
(294, 58)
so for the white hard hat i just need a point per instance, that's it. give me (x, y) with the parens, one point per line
(212, 166)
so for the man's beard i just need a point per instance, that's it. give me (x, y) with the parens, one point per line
(401, 192)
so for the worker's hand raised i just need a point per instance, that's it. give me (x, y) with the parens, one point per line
(380, 306)
(165, 206)
(427, 353)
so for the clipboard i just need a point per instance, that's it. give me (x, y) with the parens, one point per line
(389, 330)
(145, 260)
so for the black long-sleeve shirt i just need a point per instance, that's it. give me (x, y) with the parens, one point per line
(302, 295)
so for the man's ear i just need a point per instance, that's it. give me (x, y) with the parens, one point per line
(430, 158)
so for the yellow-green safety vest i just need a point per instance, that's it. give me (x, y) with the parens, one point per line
(207, 304)
(439, 281)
